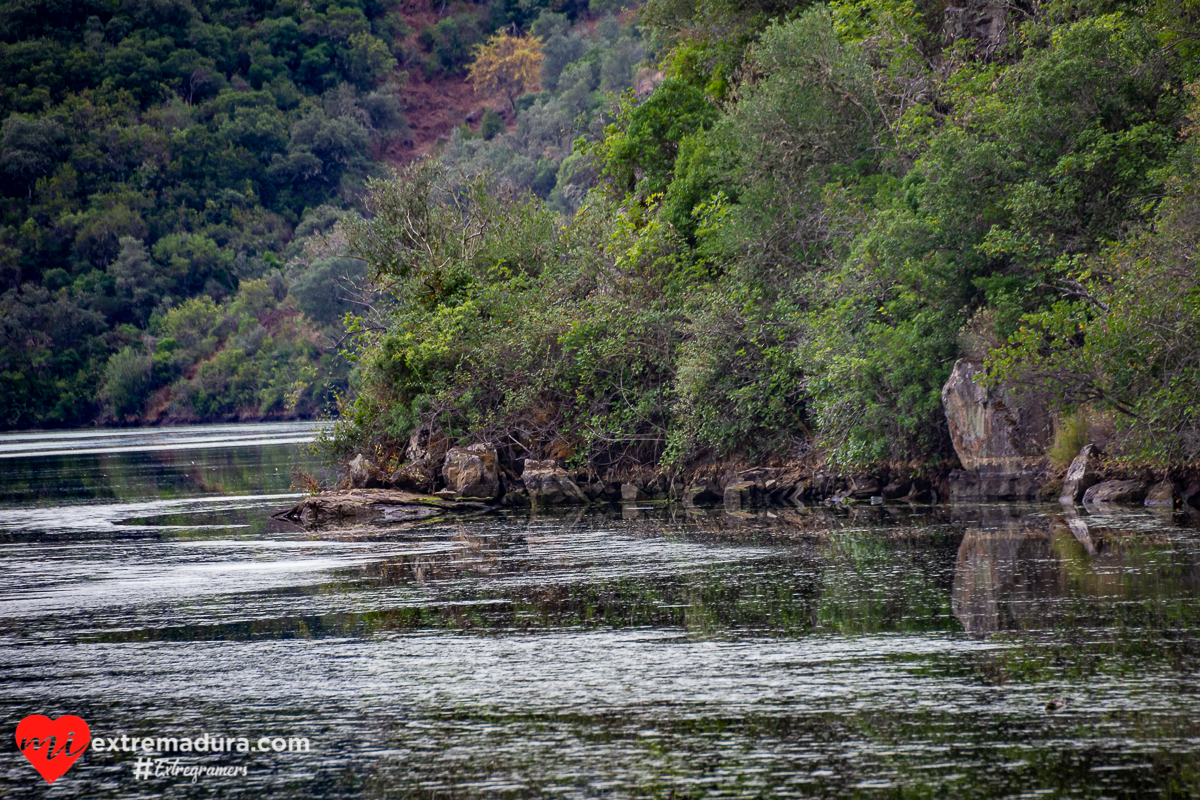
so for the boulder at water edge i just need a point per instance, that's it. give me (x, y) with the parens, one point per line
(999, 438)
(1162, 495)
(363, 474)
(471, 471)
(1115, 492)
(1083, 474)
(549, 484)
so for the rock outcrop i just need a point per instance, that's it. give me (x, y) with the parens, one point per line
(999, 438)
(1083, 474)
(1115, 492)
(549, 484)
(412, 477)
(472, 471)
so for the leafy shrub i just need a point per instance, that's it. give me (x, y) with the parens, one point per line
(127, 382)
(491, 124)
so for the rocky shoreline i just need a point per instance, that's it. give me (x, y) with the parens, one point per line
(999, 437)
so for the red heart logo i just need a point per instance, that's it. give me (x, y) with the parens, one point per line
(48, 743)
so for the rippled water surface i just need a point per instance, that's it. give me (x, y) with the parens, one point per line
(874, 652)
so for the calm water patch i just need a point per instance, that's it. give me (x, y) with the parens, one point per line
(622, 652)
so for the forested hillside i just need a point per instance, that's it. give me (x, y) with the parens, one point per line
(803, 215)
(163, 163)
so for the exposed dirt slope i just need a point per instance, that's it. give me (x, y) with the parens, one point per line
(434, 106)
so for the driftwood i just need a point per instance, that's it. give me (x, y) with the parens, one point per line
(373, 503)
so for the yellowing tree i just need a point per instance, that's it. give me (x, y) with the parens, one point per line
(509, 64)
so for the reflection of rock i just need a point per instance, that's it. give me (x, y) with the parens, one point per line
(1005, 576)
(738, 495)
(1083, 474)
(999, 438)
(1079, 530)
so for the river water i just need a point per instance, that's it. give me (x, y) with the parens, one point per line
(635, 651)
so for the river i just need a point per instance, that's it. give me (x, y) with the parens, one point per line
(623, 652)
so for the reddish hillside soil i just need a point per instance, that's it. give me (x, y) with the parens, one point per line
(434, 106)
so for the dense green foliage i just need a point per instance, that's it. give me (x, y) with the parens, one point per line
(582, 71)
(153, 152)
(796, 234)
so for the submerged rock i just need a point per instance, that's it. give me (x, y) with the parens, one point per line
(1083, 474)
(371, 503)
(549, 484)
(471, 471)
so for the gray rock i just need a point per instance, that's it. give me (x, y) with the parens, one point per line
(739, 495)
(1161, 494)
(472, 471)
(1116, 492)
(1083, 474)
(999, 438)
(549, 484)
(896, 490)
(631, 493)
(363, 474)
(515, 498)
(413, 477)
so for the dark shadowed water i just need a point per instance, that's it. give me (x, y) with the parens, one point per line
(636, 651)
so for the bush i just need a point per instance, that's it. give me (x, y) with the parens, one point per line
(491, 124)
(127, 382)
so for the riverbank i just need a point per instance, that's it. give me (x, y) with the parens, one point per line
(1003, 444)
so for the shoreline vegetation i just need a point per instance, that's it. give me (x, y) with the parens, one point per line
(863, 239)
(858, 249)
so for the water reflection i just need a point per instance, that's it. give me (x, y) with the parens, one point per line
(1018, 569)
(631, 651)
